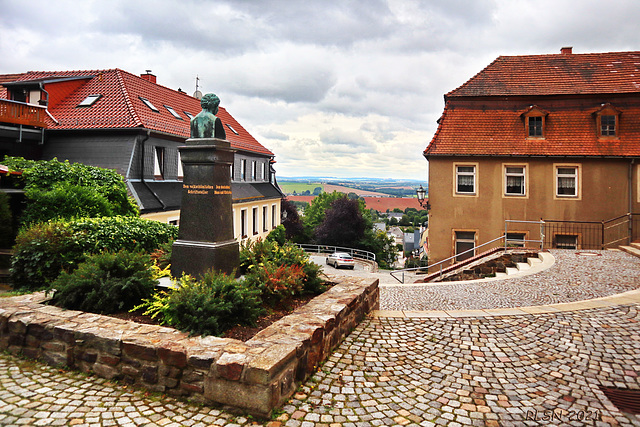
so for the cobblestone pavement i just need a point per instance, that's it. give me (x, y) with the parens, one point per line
(478, 370)
(575, 276)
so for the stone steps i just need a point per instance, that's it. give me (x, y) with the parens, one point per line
(633, 249)
(520, 267)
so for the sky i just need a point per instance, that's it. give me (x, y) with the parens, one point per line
(335, 88)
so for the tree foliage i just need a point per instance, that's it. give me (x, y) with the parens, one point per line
(291, 222)
(343, 224)
(57, 189)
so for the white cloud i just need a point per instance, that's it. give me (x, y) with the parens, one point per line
(342, 88)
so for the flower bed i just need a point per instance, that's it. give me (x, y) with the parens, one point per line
(254, 376)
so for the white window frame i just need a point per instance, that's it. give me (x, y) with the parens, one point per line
(577, 180)
(243, 170)
(244, 224)
(255, 220)
(274, 211)
(459, 174)
(180, 168)
(254, 170)
(513, 174)
(264, 171)
(158, 162)
(265, 218)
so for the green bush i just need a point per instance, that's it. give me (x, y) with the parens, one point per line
(45, 249)
(6, 221)
(65, 200)
(206, 307)
(276, 282)
(278, 235)
(63, 190)
(106, 283)
(255, 255)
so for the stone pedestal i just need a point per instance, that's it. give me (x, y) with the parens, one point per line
(205, 240)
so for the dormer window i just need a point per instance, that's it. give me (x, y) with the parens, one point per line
(534, 122)
(607, 121)
(607, 125)
(149, 104)
(89, 100)
(535, 126)
(191, 116)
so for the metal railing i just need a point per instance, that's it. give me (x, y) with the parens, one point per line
(324, 249)
(593, 234)
(21, 113)
(440, 263)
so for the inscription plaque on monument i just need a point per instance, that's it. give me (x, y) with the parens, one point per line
(205, 239)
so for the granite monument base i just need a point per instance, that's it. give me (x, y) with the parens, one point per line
(196, 258)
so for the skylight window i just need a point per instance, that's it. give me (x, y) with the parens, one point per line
(149, 104)
(173, 112)
(189, 115)
(89, 100)
(232, 129)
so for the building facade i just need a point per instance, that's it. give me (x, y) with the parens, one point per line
(538, 137)
(117, 120)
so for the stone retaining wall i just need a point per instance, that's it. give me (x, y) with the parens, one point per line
(254, 376)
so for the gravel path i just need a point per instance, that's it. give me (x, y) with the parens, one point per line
(575, 276)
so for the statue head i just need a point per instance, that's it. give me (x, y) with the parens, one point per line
(210, 102)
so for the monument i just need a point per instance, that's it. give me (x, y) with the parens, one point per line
(205, 238)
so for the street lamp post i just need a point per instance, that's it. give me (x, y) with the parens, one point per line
(422, 193)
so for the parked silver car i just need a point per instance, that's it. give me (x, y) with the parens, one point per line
(340, 259)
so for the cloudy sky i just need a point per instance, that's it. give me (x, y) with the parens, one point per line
(334, 88)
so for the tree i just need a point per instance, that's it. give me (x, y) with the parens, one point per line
(291, 222)
(314, 214)
(343, 225)
(404, 221)
(317, 191)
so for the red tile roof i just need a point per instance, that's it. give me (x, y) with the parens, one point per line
(485, 116)
(120, 105)
(560, 74)
(496, 131)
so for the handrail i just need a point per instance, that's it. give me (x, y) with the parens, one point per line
(321, 249)
(427, 267)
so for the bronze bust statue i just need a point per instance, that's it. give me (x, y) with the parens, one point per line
(206, 124)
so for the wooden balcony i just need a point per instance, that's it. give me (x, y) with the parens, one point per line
(20, 113)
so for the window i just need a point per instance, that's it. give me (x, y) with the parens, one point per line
(265, 218)
(516, 240)
(180, 170)
(149, 104)
(465, 179)
(264, 171)
(89, 100)
(191, 116)
(535, 126)
(158, 163)
(255, 221)
(232, 129)
(254, 169)
(173, 112)
(243, 223)
(465, 241)
(566, 241)
(232, 170)
(566, 181)
(243, 170)
(514, 180)
(273, 216)
(607, 125)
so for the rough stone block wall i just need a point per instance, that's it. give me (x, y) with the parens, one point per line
(254, 376)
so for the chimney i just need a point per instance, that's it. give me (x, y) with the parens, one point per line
(148, 76)
(567, 50)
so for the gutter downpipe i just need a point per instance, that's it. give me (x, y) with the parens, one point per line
(631, 199)
(142, 145)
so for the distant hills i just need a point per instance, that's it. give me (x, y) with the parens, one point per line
(381, 187)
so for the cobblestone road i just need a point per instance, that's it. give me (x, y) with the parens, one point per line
(483, 371)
